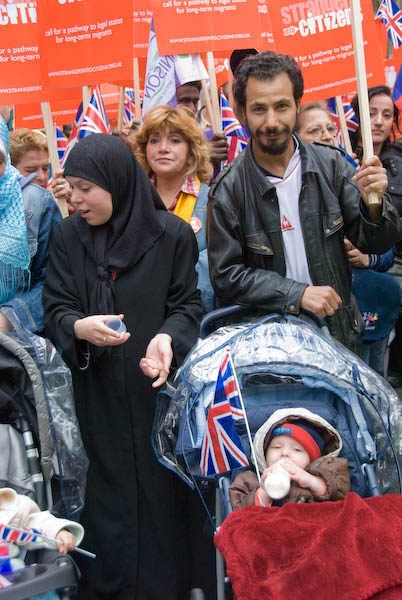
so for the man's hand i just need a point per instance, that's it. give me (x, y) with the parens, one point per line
(357, 259)
(372, 177)
(158, 359)
(219, 149)
(322, 300)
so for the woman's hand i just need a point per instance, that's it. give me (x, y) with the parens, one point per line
(158, 359)
(67, 541)
(61, 189)
(93, 329)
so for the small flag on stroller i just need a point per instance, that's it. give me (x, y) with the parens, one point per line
(221, 449)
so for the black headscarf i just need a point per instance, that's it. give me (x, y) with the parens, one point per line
(133, 227)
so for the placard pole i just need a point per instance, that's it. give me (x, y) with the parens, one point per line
(52, 146)
(364, 111)
(216, 118)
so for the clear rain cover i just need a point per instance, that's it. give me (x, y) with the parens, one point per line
(284, 348)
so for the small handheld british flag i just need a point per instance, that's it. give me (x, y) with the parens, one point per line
(221, 449)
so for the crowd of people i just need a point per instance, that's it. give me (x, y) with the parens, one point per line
(157, 238)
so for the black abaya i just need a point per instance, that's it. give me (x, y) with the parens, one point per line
(130, 515)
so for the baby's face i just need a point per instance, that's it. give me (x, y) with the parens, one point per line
(283, 446)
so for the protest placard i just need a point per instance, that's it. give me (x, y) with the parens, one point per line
(85, 42)
(142, 17)
(190, 26)
(19, 52)
(320, 39)
(63, 112)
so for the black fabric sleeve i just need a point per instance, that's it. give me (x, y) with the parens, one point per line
(62, 305)
(184, 308)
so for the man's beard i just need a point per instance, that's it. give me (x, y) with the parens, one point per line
(273, 147)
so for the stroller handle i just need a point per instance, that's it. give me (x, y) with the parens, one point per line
(239, 310)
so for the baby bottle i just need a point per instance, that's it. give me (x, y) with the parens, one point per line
(277, 483)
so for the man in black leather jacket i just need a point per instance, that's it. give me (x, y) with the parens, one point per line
(278, 214)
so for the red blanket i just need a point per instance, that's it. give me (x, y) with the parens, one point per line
(350, 549)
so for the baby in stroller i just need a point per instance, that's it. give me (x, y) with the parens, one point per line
(306, 446)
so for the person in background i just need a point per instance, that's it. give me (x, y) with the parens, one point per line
(172, 149)
(188, 95)
(384, 119)
(377, 293)
(30, 155)
(314, 123)
(31, 210)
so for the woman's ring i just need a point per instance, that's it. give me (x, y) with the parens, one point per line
(330, 312)
(104, 339)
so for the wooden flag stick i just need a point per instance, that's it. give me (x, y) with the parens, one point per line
(364, 111)
(342, 123)
(137, 98)
(52, 146)
(216, 117)
(121, 109)
(86, 97)
(208, 102)
(230, 87)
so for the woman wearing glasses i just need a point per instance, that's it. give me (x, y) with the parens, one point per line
(315, 124)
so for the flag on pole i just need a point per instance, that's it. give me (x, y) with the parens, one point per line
(350, 116)
(397, 91)
(19, 535)
(95, 119)
(165, 73)
(129, 105)
(236, 135)
(61, 142)
(74, 134)
(391, 16)
(221, 449)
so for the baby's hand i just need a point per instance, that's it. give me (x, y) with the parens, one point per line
(67, 540)
(305, 480)
(296, 473)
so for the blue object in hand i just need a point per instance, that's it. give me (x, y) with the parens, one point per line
(116, 325)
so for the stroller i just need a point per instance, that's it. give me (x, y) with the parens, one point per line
(42, 454)
(282, 362)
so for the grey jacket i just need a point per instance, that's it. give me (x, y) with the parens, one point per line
(244, 237)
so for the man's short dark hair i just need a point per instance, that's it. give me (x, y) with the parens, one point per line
(264, 67)
(196, 84)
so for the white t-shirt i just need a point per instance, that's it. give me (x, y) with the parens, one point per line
(288, 191)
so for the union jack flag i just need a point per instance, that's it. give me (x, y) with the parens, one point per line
(221, 449)
(74, 134)
(19, 535)
(129, 105)
(61, 142)
(232, 129)
(350, 116)
(95, 119)
(391, 16)
(236, 145)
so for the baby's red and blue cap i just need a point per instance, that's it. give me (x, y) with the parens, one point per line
(305, 434)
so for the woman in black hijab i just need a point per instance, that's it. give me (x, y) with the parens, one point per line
(123, 254)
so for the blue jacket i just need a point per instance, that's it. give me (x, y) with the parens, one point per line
(41, 214)
(204, 283)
